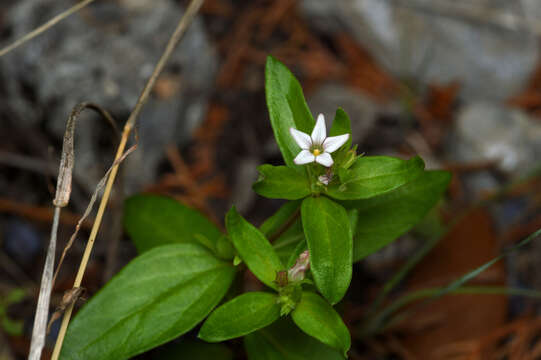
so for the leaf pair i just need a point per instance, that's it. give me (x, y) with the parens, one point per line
(368, 176)
(255, 310)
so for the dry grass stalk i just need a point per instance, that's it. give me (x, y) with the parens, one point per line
(45, 26)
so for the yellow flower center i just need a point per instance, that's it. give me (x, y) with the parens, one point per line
(316, 152)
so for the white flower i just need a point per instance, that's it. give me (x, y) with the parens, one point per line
(317, 147)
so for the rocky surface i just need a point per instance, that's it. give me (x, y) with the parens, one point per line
(473, 42)
(104, 54)
(492, 132)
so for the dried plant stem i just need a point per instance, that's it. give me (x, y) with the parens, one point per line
(42, 312)
(61, 199)
(183, 24)
(44, 27)
(67, 163)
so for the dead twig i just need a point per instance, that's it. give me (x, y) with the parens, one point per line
(61, 199)
(70, 297)
(42, 309)
(89, 208)
(45, 26)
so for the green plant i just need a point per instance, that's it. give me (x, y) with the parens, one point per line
(341, 208)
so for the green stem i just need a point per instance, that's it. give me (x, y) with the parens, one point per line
(293, 240)
(405, 270)
(287, 224)
(380, 321)
(383, 320)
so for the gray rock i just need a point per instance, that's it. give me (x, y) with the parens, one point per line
(439, 41)
(105, 54)
(361, 110)
(486, 131)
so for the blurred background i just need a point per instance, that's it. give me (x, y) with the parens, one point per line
(457, 82)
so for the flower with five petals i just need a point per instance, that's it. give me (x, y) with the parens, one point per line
(318, 146)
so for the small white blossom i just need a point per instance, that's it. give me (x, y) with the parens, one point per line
(317, 147)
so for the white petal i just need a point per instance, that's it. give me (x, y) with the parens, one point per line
(303, 140)
(325, 159)
(304, 157)
(333, 143)
(320, 131)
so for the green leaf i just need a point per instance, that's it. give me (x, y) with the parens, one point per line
(317, 318)
(300, 248)
(289, 240)
(341, 125)
(275, 223)
(281, 182)
(370, 176)
(157, 297)
(152, 221)
(284, 341)
(328, 235)
(384, 218)
(242, 315)
(195, 350)
(353, 215)
(224, 248)
(253, 248)
(287, 108)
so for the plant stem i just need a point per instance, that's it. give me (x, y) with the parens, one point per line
(405, 270)
(286, 225)
(382, 320)
(375, 323)
(183, 24)
(42, 310)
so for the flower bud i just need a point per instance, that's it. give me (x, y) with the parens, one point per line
(297, 272)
